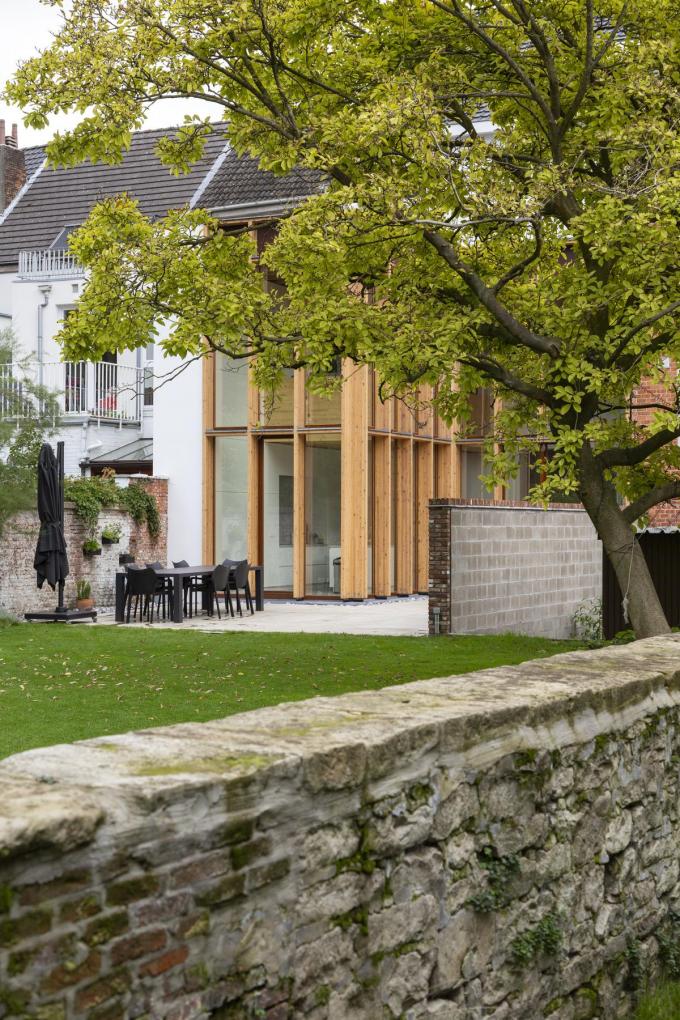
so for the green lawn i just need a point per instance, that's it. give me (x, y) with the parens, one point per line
(663, 1004)
(60, 684)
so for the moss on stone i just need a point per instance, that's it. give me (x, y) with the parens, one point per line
(357, 916)
(106, 928)
(6, 897)
(244, 854)
(216, 765)
(419, 794)
(525, 758)
(322, 995)
(14, 1000)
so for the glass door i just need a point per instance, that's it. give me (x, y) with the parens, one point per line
(277, 515)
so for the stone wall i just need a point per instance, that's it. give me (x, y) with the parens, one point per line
(498, 846)
(18, 591)
(510, 567)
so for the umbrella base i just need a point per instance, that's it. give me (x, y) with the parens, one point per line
(63, 616)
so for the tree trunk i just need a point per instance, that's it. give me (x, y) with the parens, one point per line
(645, 613)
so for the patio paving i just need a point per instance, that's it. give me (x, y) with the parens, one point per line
(391, 617)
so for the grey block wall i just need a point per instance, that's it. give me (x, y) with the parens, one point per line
(516, 569)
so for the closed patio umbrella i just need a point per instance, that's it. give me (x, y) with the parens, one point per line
(51, 561)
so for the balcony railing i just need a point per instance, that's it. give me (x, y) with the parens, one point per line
(48, 265)
(98, 390)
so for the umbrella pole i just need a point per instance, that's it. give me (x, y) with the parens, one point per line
(61, 608)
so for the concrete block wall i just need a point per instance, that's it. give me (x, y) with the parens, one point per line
(18, 589)
(510, 567)
(497, 846)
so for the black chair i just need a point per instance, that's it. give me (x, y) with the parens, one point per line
(164, 586)
(239, 580)
(218, 583)
(141, 584)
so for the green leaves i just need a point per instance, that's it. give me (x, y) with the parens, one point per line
(567, 218)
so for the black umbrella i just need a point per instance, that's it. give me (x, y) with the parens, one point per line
(51, 561)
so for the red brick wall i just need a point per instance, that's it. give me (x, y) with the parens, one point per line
(18, 591)
(666, 514)
(142, 546)
(12, 174)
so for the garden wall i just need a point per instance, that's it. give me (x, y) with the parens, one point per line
(18, 590)
(510, 567)
(503, 845)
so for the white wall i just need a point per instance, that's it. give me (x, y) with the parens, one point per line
(21, 299)
(178, 454)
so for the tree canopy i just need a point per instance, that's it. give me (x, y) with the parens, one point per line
(540, 259)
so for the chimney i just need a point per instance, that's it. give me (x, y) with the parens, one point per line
(12, 166)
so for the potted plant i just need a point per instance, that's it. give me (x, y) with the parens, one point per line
(111, 534)
(91, 547)
(84, 598)
(125, 558)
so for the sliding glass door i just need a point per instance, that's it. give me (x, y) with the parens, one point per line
(277, 514)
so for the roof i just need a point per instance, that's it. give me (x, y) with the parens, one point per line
(238, 182)
(135, 452)
(56, 199)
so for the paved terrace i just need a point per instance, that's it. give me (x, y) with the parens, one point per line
(391, 617)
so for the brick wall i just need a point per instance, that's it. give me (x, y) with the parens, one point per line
(18, 591)
(509, 567)
(501, 845)
(665, 514)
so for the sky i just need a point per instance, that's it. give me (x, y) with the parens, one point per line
(27, 27)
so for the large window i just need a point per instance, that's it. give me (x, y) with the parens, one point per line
(231, 497)
(231, 392)
(322, 515)
(278, 410)
(325, 410)
(472, 466)
(277, 501)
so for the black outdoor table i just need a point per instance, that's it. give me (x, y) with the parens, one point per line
(177, 575)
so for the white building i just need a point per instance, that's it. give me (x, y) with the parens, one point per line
(130, 412)
(107, 407)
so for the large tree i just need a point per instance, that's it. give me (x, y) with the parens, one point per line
(541, 260)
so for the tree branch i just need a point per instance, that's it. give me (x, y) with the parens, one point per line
(515, 331)
(507, 379)
(660, 494)
(629, 456)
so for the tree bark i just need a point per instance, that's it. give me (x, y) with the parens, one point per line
(645, 613)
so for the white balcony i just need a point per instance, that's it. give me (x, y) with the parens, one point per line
(83, 389)
(48, 265)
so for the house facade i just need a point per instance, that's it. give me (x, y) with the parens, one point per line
(330, 494)
(106, 408)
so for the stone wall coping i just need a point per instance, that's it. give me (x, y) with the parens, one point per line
(506, 504)
(368, 741)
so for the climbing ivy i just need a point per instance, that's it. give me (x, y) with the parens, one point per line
(92, 495)
(499, 872)
(545, 938)
(669, 946)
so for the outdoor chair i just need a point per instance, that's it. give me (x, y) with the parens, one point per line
(163, 586)
(239, 581)
(218, 584)
(141, 584)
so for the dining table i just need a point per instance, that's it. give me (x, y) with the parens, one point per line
(177, 575)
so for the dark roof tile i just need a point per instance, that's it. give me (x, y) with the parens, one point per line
(64, 197)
